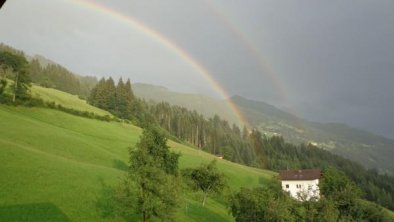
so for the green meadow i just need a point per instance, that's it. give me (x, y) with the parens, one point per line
(65, 99)
(54, 165)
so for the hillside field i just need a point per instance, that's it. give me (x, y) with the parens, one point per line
(65, 99)
(54, 166)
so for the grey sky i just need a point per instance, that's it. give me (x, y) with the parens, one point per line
(330, 61)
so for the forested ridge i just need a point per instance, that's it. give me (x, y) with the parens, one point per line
(214, 135)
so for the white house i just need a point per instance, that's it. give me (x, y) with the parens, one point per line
(301, 184)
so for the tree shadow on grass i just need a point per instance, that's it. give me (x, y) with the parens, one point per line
(264, 180)
(120, 165)
(108, 205)
(197, 212)
(40, 212)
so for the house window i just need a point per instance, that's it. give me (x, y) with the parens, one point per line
(298, 186)
(287, 186)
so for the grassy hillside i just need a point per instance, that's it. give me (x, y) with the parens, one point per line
(54, 166)
(65, 99)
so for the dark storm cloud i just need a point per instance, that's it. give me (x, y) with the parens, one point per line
(334, 60)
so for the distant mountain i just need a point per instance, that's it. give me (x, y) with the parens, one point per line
(203, 104)
(370, 150)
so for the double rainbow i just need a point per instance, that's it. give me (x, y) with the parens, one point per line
(165, 42)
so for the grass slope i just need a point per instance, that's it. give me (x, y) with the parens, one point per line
(65, 99)
(53, 166)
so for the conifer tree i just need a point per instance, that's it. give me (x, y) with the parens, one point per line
(124, 98)
(110, 94)
(97, 96)
(121, 98)
(130, 94)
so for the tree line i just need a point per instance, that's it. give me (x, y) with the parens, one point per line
(57, 77)
(117, 99)
(213, 135)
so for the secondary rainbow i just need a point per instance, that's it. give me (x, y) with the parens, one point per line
(265, 67)
(165, 42)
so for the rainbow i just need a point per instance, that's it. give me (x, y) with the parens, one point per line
(168, 44)
(250, 46)
(260, 59)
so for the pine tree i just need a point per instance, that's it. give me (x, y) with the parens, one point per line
(97, 96)
(110, 94)
(124, 98)
(121, 103)
(130, 95)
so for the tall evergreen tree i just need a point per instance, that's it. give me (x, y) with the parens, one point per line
(130, 95)
(97, 96)
(110, 94)
(121, 98)
(124, 98)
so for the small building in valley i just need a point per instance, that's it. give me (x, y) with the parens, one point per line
(301, 184)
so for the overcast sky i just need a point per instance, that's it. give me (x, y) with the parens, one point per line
(329, 61)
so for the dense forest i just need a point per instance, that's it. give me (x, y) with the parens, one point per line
(57, 77)
(116, 99)
(214, 135)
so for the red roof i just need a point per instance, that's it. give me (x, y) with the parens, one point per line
(309, 174)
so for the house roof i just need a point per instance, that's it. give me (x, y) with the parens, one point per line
(307, 174)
